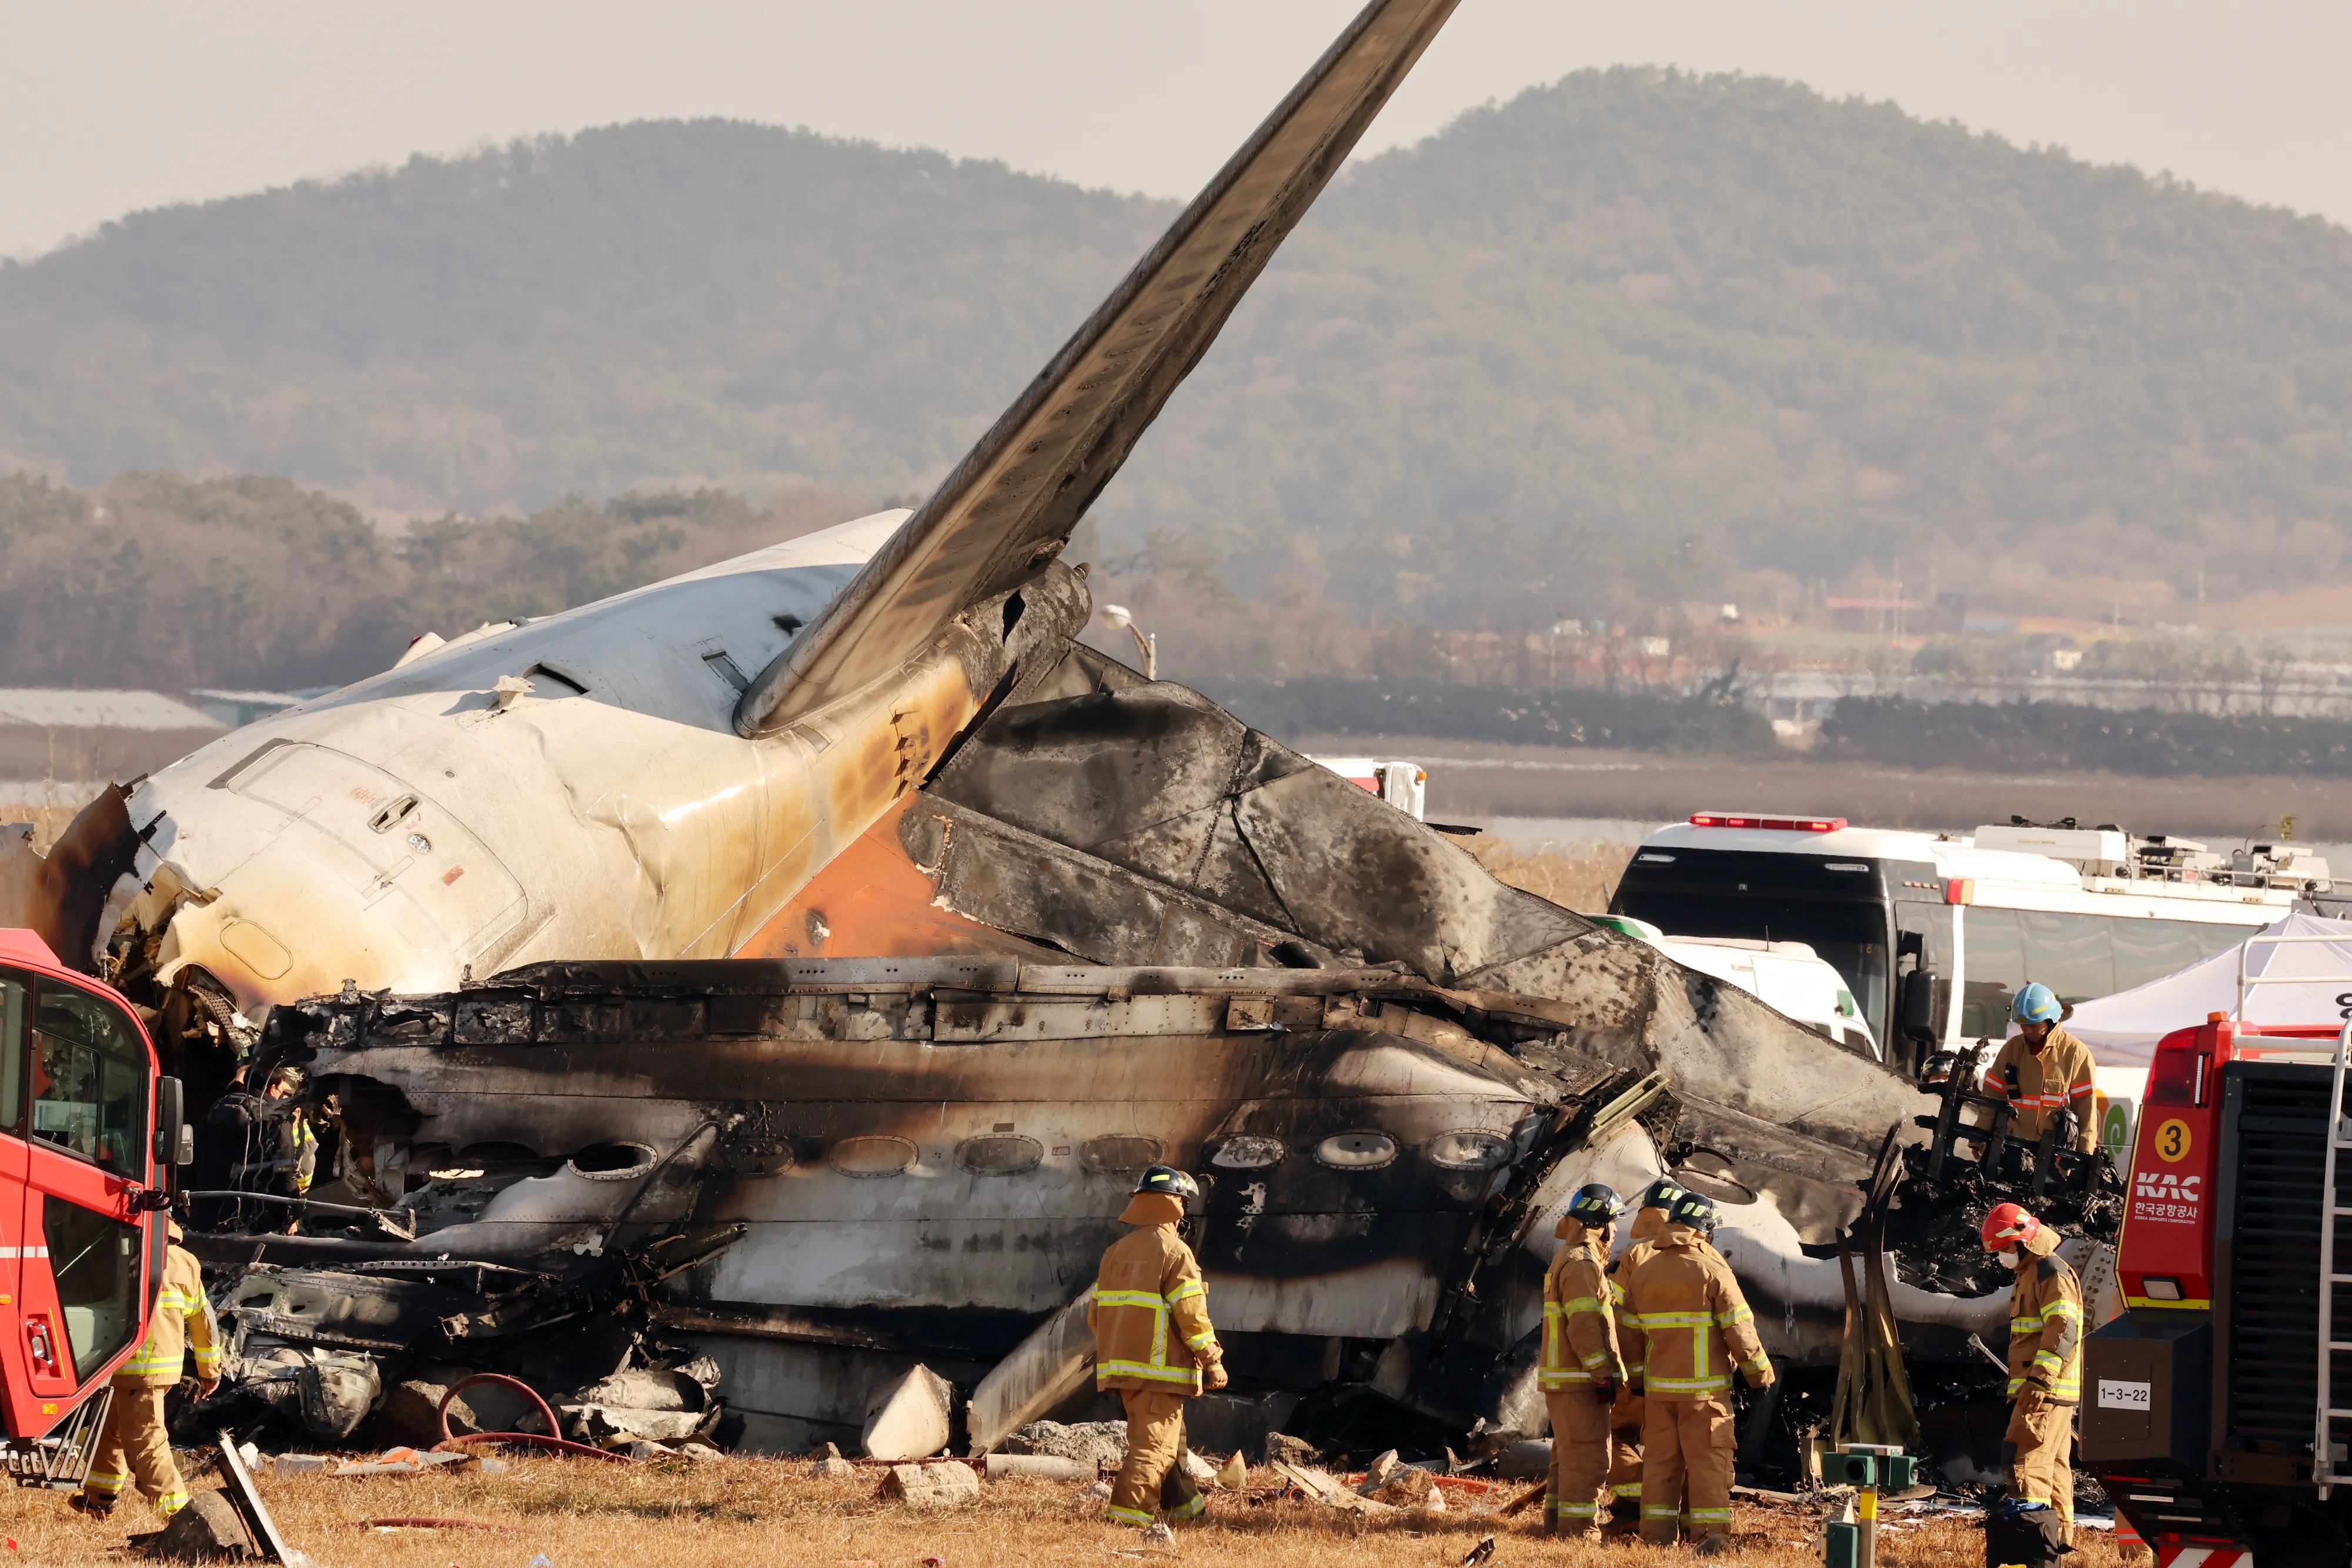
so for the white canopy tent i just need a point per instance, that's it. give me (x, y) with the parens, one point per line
(2122, 1030)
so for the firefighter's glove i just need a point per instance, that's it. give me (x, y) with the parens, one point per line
(1213, 1375)
(206, 1390)
(1760, 1374)
(1604, 1390)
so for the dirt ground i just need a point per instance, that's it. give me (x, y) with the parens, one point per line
(735, 1512)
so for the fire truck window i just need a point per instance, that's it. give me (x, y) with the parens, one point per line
(96, 1262)
(2070, 954)
(15, 997)
(1993, 953)
(89, 1078)
(2149, 951)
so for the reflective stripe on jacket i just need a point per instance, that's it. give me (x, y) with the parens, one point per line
(1649, 1223)
(1579, 1325)
(1151, 1314)
(2045, 1329)
(183, 1317)
(2062, 1074)
(1685, 1322)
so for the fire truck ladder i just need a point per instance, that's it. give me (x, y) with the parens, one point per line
(2324, 1446)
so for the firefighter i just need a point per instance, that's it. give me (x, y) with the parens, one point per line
(2045, 1359)
(1155, 1345)
(2053, 1069)
(1580, 1371)
(1686, 1327)
(133, 1444)
(1625, 1416)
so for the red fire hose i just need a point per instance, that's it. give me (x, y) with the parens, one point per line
(554, 1440)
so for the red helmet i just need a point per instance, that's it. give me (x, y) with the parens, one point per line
(2007, 1225)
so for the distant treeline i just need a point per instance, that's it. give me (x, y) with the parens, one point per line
(1573, 716)
(2020, 736)
(159, 581)
(2003, 737)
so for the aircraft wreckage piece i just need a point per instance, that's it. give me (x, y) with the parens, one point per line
(656, 775)
(874, 1160)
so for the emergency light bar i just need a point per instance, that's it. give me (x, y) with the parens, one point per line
(1787, 824)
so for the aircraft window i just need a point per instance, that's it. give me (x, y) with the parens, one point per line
(89, 1078)
(15, 999)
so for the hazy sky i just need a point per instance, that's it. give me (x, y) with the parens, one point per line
(107, 105)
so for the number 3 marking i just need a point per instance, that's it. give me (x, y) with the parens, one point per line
(2172, 1141)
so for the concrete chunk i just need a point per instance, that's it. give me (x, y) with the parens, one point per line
(907, 1418)
(949, 1484)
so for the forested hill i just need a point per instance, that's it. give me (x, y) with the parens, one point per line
(1622, 338)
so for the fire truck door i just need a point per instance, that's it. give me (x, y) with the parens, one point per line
(83, 1272)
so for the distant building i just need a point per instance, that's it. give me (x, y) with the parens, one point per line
(1871, 614)
(236, 709)
(50, 735)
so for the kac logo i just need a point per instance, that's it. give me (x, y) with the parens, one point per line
(2165, 1186)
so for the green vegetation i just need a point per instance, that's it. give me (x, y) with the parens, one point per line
(1712, 721)
(156, 580)
(1623, 343)
(2020, 737)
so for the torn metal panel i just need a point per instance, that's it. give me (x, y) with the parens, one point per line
(1002, 877)
(1154, 781)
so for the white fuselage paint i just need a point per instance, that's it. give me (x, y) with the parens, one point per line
(624, 819)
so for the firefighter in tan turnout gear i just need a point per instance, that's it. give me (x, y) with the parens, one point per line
(1658, 1200)
(2045, 1359)
(2051, 1068)
(1685, 1327)
(1580, 1371)
(134, 1447)
(1155, 1345)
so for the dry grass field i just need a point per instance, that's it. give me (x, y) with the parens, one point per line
(735, 1513)
(1580, 877)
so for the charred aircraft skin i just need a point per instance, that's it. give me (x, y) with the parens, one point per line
(896, 1144)
(992, 916)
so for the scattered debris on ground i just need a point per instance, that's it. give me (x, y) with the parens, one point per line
(580, 1514)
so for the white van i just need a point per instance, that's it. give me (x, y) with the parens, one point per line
(1789, 977)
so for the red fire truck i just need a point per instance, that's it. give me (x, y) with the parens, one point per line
(2215, 1412)
(82, 1184)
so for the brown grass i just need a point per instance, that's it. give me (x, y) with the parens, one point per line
(1578, 876)
(48, 821)
(736, 1513)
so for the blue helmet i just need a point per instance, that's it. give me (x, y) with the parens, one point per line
(2034, 1004)
(1595, 1206)
(1696, 1210)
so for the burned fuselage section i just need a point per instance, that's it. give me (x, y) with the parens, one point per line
(848, 1163)
(925, 1155)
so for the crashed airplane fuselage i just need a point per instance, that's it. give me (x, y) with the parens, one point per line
(1162, 933)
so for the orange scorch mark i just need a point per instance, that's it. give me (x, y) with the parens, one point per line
(872, 902)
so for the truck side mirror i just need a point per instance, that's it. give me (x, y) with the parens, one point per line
(1919, 1005)
(171, 1118)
